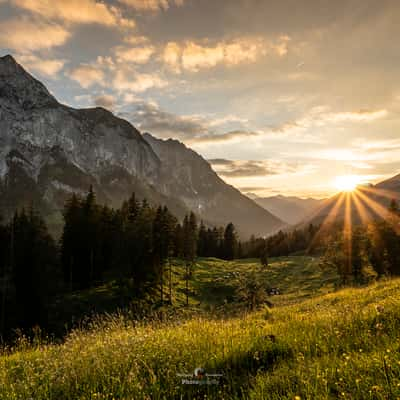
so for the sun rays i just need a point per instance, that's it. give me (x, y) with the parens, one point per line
(355, 204)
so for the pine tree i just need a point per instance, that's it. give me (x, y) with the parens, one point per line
(230, 242)
(34, 266)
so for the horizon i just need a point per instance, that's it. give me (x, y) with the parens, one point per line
(285, 106)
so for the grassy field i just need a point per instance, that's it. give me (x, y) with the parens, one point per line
(315, 343)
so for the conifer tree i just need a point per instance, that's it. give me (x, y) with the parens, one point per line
(230, 242)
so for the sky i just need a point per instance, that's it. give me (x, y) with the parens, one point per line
(280, 96)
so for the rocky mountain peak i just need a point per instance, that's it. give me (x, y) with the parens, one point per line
(19, 88)
(8, 66)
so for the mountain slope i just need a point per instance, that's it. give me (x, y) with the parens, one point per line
(49, 150)
(391, 185)
(290, 209)
(187, 175)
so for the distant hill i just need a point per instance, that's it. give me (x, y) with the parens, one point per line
(290, 209)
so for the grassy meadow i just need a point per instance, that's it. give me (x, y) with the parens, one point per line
(314, 343)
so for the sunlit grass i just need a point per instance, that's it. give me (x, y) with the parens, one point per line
(338, 345)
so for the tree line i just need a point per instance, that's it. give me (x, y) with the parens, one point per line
(134, 242)
(359, 253)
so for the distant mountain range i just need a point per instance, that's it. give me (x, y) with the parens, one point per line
(290, 209)
(49, 150)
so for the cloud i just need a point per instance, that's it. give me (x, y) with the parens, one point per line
(322, 116)
(358, 116)
(151, 5)
(189, 128)
(23, 34)
(149, 117)
(76, 11)
(248, 168)
(224, 137)
(171, 56)
(220, 161)
(105, 101)
(138, 55)
(137, 82)
(247, 189)
(47, 67)
(88, 75)
(193, 56)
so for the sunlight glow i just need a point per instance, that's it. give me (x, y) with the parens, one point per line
(347, 183)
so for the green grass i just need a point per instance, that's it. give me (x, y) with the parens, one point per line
(214, 281)
(343, 344)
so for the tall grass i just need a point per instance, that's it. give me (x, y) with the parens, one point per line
(340, 345)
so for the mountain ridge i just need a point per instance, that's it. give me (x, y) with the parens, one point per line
(49, 150)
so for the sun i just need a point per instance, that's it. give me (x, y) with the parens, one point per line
(347, 183)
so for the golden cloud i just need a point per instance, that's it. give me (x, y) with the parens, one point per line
(192, 56)
(171, 56)
(358, 116)
(23, 34)
(87, 75)
(125, 80)
(49, 67)
(137, 55)
(76, 11)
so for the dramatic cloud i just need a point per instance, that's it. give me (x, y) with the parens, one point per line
(239, 80)
(24, 34)
(46, 67)
(87, 75)
(75, 11)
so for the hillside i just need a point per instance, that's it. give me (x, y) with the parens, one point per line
(340, 344)
(290, 209)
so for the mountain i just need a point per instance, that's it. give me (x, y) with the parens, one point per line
(49, 150)
(290, 209)
(189, 176)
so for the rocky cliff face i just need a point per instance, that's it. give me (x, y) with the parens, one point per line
(49, 150)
